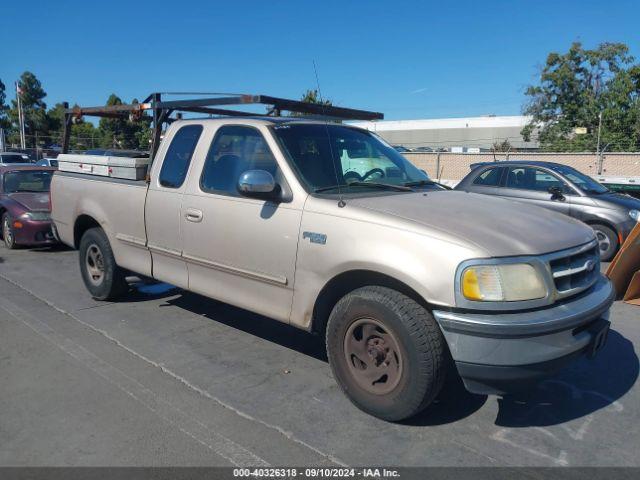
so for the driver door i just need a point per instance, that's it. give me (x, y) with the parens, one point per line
(240, 250)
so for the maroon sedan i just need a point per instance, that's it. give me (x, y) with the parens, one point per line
(25, 205)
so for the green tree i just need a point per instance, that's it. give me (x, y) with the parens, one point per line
(124, 132)
(504, 146)
(34, 108)
(84, 135)
(311, 96)
(4, 119)
(577, 87)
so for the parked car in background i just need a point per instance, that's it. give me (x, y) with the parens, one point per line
(401, 149)
(563, 189)
(7, 158)
(25, 206)
(47, 162)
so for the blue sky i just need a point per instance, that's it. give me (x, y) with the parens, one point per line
(408, 59)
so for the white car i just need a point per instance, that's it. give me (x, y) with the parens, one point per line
(7, 158)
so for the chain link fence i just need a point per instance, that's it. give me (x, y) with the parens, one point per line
(454, 166)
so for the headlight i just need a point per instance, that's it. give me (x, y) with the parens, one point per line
(635, 214)
(502, 283)
(37, 216)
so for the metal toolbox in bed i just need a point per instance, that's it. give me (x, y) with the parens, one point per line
(105, 166)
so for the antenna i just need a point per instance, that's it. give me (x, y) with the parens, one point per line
(341, 202)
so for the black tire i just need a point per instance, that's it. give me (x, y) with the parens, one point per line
(607, 241)
(8, 237)
(104, 279)
(422, 352)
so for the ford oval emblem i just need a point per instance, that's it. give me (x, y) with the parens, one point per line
(590, 265)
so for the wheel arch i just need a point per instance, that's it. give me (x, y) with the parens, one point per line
(348, 281)
(606, 223)
(83, 223)
(3, 209)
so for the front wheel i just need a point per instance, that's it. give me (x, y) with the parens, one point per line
(386, 352)
(7, 232)
(104, 279)
(607, 241)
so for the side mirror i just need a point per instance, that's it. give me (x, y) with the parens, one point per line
(556, 193)
(258, 184)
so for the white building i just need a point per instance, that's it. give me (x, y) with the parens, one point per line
(461, 134)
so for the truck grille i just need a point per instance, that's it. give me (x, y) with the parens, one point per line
(575, 270)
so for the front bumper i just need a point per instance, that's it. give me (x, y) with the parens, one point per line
(34, 233)
(503, 352)
(625, 228)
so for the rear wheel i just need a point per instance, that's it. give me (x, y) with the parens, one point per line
(607, 241)
(104, 279)
(7, 232)
(386, 352)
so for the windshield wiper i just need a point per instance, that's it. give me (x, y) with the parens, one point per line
(419, 183)
(401, 188)
(390, 186)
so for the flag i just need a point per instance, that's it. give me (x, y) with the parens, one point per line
(18, 89)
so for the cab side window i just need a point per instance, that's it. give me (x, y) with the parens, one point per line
(489, 178)
(176, 161)
(234, 150)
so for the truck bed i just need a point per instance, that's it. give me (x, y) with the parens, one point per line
(117, 205)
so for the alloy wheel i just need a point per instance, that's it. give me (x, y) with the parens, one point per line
(94, 262)
(7, 233)
(603, 242)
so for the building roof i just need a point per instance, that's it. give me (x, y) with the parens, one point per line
(446, 123)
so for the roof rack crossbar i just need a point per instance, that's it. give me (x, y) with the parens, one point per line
(163, 109)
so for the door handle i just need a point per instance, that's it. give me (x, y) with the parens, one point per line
(193, 215)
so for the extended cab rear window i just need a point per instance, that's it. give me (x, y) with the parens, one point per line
(176, 161)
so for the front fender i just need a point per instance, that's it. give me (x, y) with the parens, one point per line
(424, 264)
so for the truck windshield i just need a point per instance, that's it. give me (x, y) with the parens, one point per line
(27, 181)
(580, 180)
(337, 157)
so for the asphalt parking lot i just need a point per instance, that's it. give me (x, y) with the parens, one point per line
(167, 377)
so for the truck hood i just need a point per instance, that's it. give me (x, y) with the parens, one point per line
(498, 226)
(32, 201)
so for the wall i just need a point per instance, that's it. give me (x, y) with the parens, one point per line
(454, 166)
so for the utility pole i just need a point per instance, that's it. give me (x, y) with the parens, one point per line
(2, 140)
(599, 154)
(20, 117)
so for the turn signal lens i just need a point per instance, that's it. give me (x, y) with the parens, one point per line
(502, 283)
(17, 224)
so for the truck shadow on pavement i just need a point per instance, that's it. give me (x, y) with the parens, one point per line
(252, 323)
(584, 387)
(453, 403)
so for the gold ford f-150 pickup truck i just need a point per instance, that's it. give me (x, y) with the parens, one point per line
(326, 227)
